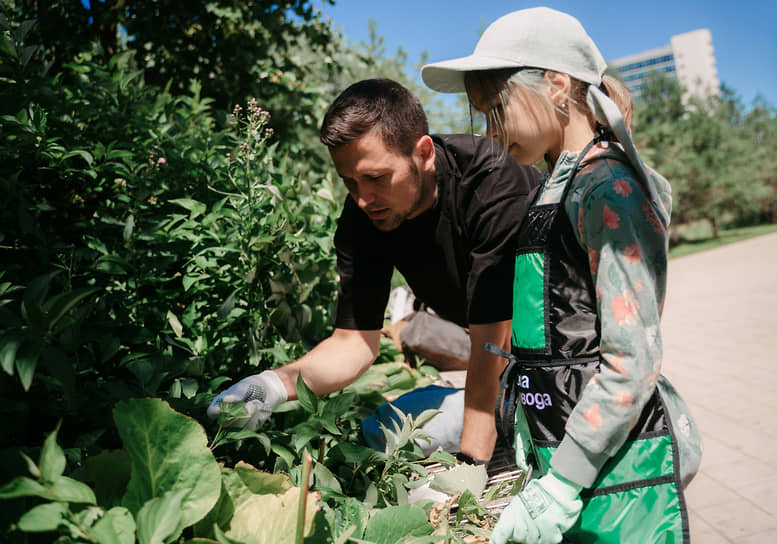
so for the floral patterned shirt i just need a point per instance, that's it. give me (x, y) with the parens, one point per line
(626, 242)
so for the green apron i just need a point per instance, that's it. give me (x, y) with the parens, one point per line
(638, 495)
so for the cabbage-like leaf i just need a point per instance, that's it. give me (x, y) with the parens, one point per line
(393, 524)
(168, 452)
(271, 518)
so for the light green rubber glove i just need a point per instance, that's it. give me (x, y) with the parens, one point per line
(541, 513)
(523, 442)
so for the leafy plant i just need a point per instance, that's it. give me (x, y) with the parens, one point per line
(177, 490)
(176, 483)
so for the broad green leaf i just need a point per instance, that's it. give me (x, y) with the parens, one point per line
(117, 526)
(192, 279)
(340, 404)
(168, 452)
(238, 485)
(350, 517)
(442, 457)
(70, 490)
(27, 54)
(52, 459)
(129, 226)
(390, 525)
(175, 324)
(469, 507)
(459, 478)
(399, 481)
(43, 518)
(189, 387)
(306, 397)
(21, 486)
(425, 417)
(7, 47)
(222, 538)
(371, 495)
(284, 455)
(112, 264)
(221, 513)
(327, 421)
(31, 466)
(175, 389)
(79, 153)
(161, 517)
(59, 305)
(227, 305)
(195, 207)
(9, 346)
(108, 472)
(85, 517)
(27, 362)
(234, 436)
(271, 518)
(118, 154)
(325, 479)
(24, 29)
(262, 483)
(347, 452)
(302, 434)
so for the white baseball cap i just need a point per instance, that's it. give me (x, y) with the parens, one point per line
(529, 38)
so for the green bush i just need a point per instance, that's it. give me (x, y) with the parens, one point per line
(148, 248)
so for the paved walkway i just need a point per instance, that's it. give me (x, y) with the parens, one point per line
(720, 351)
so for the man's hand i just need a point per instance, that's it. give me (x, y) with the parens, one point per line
(261, 393)
(478, 434)
(541, 513)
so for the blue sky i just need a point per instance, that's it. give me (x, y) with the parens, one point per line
(744, 32)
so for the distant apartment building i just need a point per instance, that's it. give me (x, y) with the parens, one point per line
(689, 58)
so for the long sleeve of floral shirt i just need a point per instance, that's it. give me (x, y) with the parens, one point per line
(626, 244)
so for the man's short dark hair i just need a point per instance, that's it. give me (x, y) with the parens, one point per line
(382, 105)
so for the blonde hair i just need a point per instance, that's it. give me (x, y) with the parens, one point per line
(487, 85)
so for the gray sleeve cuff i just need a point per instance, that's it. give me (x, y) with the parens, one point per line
(576, 463)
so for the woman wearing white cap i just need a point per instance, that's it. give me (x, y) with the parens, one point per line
(595, 416)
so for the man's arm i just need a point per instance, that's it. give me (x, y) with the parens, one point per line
(330, 366)
(333, 364)
(478, 434)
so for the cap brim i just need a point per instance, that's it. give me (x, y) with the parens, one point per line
(448, 76)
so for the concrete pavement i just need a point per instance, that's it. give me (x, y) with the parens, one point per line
(720, 352)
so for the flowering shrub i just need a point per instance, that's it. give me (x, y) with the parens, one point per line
(146, 251)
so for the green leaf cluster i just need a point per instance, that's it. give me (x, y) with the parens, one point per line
(176, 491)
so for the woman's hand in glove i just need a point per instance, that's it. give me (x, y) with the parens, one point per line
(541, 513)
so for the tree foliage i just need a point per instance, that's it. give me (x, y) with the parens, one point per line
(712, 151)
(267, 50)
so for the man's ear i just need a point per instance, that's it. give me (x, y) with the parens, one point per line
(424, 152)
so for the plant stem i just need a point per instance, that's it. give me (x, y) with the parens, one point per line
(303, 499)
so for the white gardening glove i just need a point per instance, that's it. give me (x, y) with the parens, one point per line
(261, 394)
(541, 513)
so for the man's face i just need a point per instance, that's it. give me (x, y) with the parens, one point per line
(387, 186)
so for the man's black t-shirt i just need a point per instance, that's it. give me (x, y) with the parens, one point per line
(457, 257)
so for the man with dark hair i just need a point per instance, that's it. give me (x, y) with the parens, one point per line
(439, 209)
